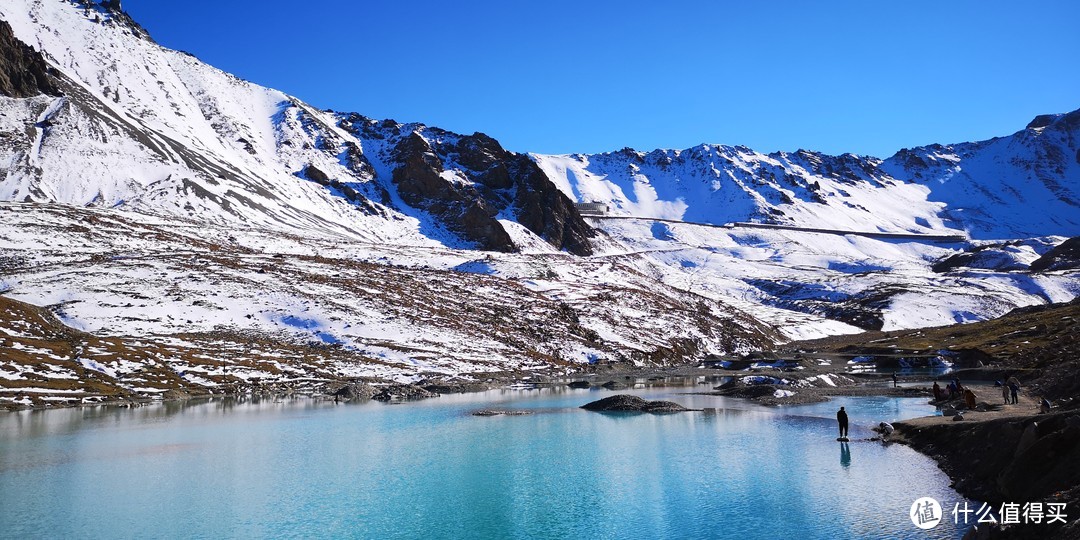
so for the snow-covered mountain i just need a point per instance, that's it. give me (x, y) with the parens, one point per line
(164, 204)
(140, 127)
(1023, 185)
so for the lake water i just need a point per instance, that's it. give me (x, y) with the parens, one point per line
(305, 468)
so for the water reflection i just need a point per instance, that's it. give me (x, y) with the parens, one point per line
(43, 423)
(297, 468)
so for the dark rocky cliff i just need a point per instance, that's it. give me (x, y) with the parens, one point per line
(514, 185)
(469, 182)
(462, 208)
(1066, 256)
(23, 72)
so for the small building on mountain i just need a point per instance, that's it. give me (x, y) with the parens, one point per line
(592, 208)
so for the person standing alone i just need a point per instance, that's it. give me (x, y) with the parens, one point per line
(841, 419)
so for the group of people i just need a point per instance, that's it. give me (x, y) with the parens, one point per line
(1010, 391)
(956, 390)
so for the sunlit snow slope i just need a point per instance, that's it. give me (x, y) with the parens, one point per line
(1020, 186)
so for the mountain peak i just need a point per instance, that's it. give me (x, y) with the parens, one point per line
(1042, 121)
(111, 11)
(1068, 121)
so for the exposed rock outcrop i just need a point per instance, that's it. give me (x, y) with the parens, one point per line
(449, 387)
(353, 392)
(402, 392)
(1066, 256)
(628, 403)
(863, 309)
(348, 192)
(23, 71)
(1010, 460)
(469, 181)
(118, 15)
(422, 183)
(998, 256)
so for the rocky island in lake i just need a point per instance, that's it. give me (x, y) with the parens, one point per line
(628, 403)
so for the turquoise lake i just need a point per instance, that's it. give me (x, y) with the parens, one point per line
(430, 469)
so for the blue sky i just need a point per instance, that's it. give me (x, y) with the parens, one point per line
(569, 76)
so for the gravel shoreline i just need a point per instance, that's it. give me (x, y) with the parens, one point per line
(612, 377)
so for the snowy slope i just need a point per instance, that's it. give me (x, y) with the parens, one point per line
(146, 128)
(1024, 185)
(229, 305)
(722, 184)
(850, 281)
(1023, 188)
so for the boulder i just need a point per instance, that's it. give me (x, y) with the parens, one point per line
(175, 393)
(353, 391)
(402, 392)
(627, 403)
(440, 388)
(579, 384)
